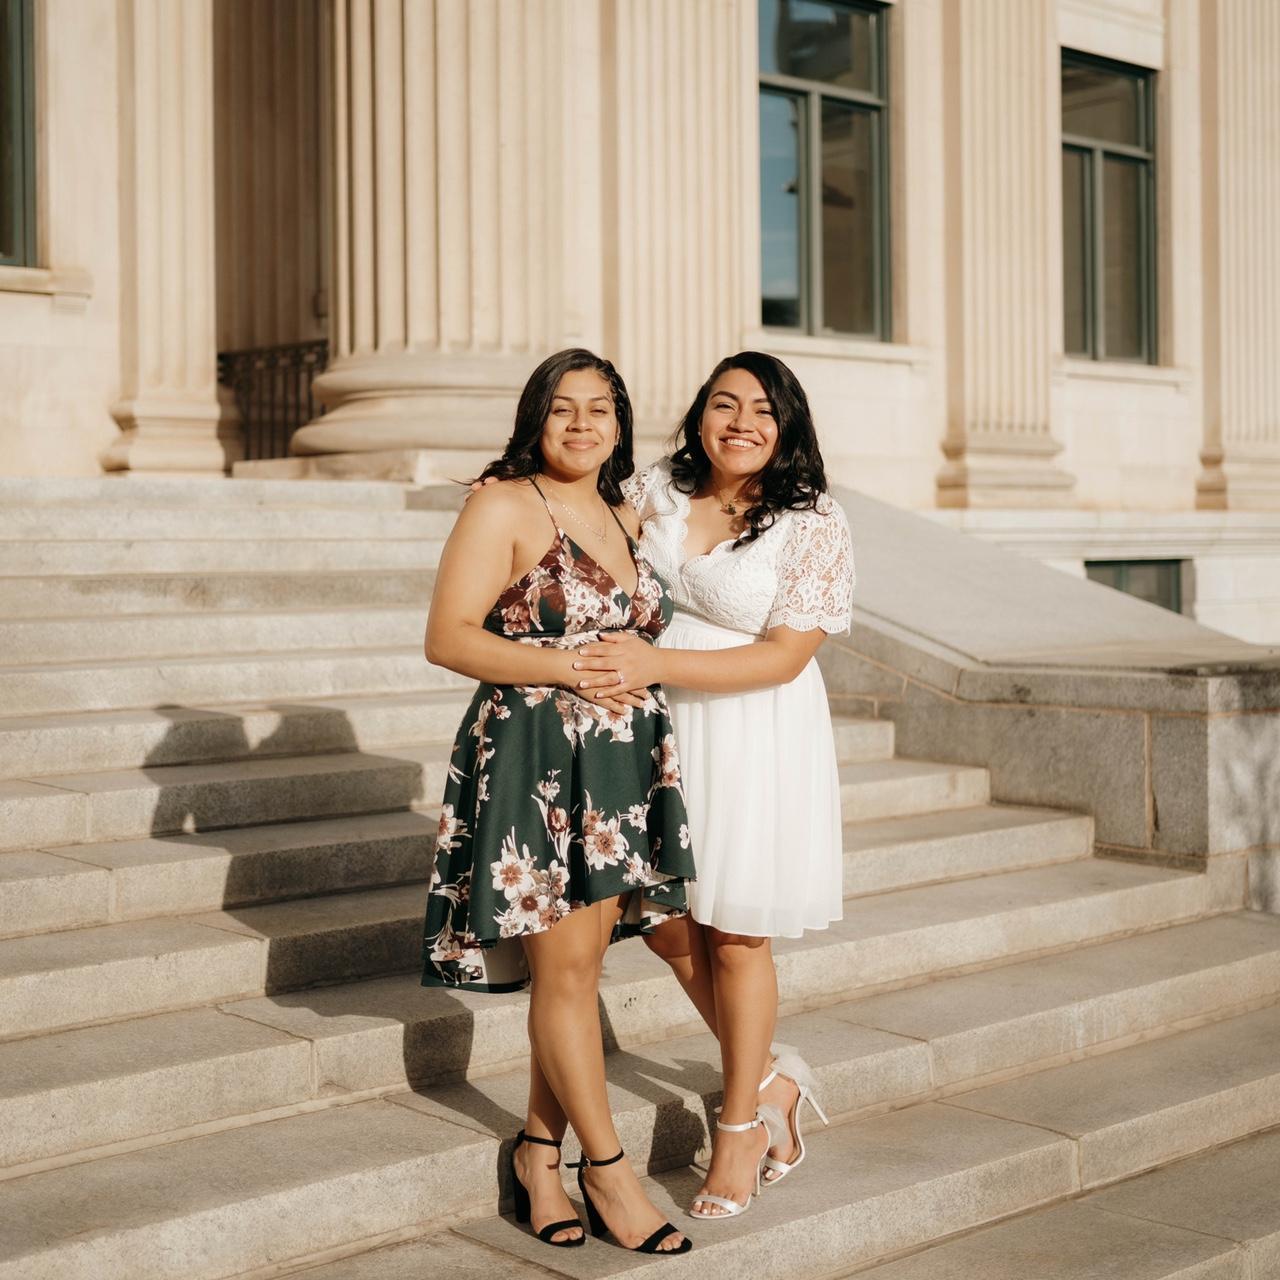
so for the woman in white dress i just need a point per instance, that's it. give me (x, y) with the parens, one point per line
(760, 566)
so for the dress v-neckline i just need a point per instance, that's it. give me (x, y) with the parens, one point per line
(584, 554)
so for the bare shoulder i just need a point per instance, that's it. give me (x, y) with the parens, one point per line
(501, 501)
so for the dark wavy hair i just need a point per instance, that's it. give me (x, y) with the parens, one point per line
(523, 454)
(793, 478)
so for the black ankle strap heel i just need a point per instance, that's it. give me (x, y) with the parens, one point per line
(598, 1225)
(521, 1194)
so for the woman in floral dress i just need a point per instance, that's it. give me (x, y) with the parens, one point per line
(563, 824)
(759, 561)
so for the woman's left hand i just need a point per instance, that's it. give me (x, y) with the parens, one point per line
(627, 662)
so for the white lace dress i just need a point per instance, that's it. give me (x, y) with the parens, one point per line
(761, 784)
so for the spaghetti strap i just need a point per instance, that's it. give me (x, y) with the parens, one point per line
(551, 515)
(618, 522)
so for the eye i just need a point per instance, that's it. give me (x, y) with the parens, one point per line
(765, 412)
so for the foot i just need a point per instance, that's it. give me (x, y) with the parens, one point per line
(620, 1200)
(732, 1172)
(538, 1168)
(783, 1093)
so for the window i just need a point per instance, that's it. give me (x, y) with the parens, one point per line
(1108, 210)
(17, 135)
(1155, 581)
(823, 183)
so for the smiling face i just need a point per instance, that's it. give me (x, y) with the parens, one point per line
(738, 429)
(582, 428)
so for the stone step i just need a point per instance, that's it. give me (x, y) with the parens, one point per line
(228, 1202)
(894, 788)
(151, 1075)
(97, 883)
(101, 596)
(153, 527)
(185, 493)
(893, 853)
(70, 808)
(266, 554)
(57, 980)
(208, 680)
(1152, 1103)
(122, 804)
(36, 642)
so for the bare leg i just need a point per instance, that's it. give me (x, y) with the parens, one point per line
(682, 943)
(564, 1027)
(746, 995)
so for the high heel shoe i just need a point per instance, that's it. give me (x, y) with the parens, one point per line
(524, 1213)
(775, 1127)
(598, 1225)
(789, 1063)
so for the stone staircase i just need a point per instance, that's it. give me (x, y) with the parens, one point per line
(221, 754)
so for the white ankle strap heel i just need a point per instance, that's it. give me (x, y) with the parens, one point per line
(771, 1119)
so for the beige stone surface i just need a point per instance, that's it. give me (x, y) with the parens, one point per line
(82, 742)
(1229, 1194)
(33, 814)
(451, 1254)
(83, 1088)
(40, 891)
(1073, 1242)
(1018, 1014)
(55, 980)
(211, 680)
(220, 1204)
(889, 788)
(895, 853)
(1153, 1102)
(868, 1189)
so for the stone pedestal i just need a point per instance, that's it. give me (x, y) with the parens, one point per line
(169, 411)
(1002, 271)
(1240, 48)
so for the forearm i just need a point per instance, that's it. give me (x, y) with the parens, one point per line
(735, 670)
(473, 651)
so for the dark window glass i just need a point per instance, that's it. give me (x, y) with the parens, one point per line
(1075, 253)
(824, 243)
(819, 40)
(1122, 254)
(848, 219)
(1155, 581)
(17, 134)
(780, 208)
(1103, 105)
(1108, 229)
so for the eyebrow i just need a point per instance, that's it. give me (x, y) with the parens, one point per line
(606, 399)
(730, 394)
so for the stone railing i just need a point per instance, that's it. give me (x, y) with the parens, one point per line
(1071, 694)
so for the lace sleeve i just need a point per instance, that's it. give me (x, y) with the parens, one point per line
(636, 489)
(815, 573)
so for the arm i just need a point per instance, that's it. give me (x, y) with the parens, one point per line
(475, 567)
(777, 659)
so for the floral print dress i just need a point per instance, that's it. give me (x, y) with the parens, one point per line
(552, 802)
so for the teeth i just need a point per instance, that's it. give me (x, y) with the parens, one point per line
(739, 444)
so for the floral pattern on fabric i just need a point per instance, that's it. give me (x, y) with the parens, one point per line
(553, 802)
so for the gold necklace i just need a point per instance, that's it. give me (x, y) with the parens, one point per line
(601, 535)
(727, 505)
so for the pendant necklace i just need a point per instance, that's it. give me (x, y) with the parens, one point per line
(727, 505)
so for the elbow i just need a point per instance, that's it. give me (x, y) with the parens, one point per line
(436, 651)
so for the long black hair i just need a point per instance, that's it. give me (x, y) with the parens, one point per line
(793, 478)
(523, 454)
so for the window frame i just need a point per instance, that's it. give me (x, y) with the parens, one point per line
(18, 80)
(1174, 566)
(810, 95)
(1096, 153)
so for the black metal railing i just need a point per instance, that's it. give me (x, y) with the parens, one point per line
(272, 387)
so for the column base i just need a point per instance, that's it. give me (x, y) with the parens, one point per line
(985, 470)
(379, 404)
(1239, 481)
(181, 438)
(415, 467)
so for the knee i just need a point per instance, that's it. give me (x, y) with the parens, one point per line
(572, 978)
(738, 952)
(670, 941)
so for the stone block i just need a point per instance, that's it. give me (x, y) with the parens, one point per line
(34, 814)
(40, 892)
(1154, 1102)
(892, 788)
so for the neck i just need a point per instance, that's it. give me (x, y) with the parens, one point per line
(578, 486)
(733, 487)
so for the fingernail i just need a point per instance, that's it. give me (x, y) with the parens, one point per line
(576, 665)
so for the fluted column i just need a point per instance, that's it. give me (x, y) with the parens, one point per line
(678, 200)
(1240, 51)
(1002, 158)
(467, 215)
(168, 410)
